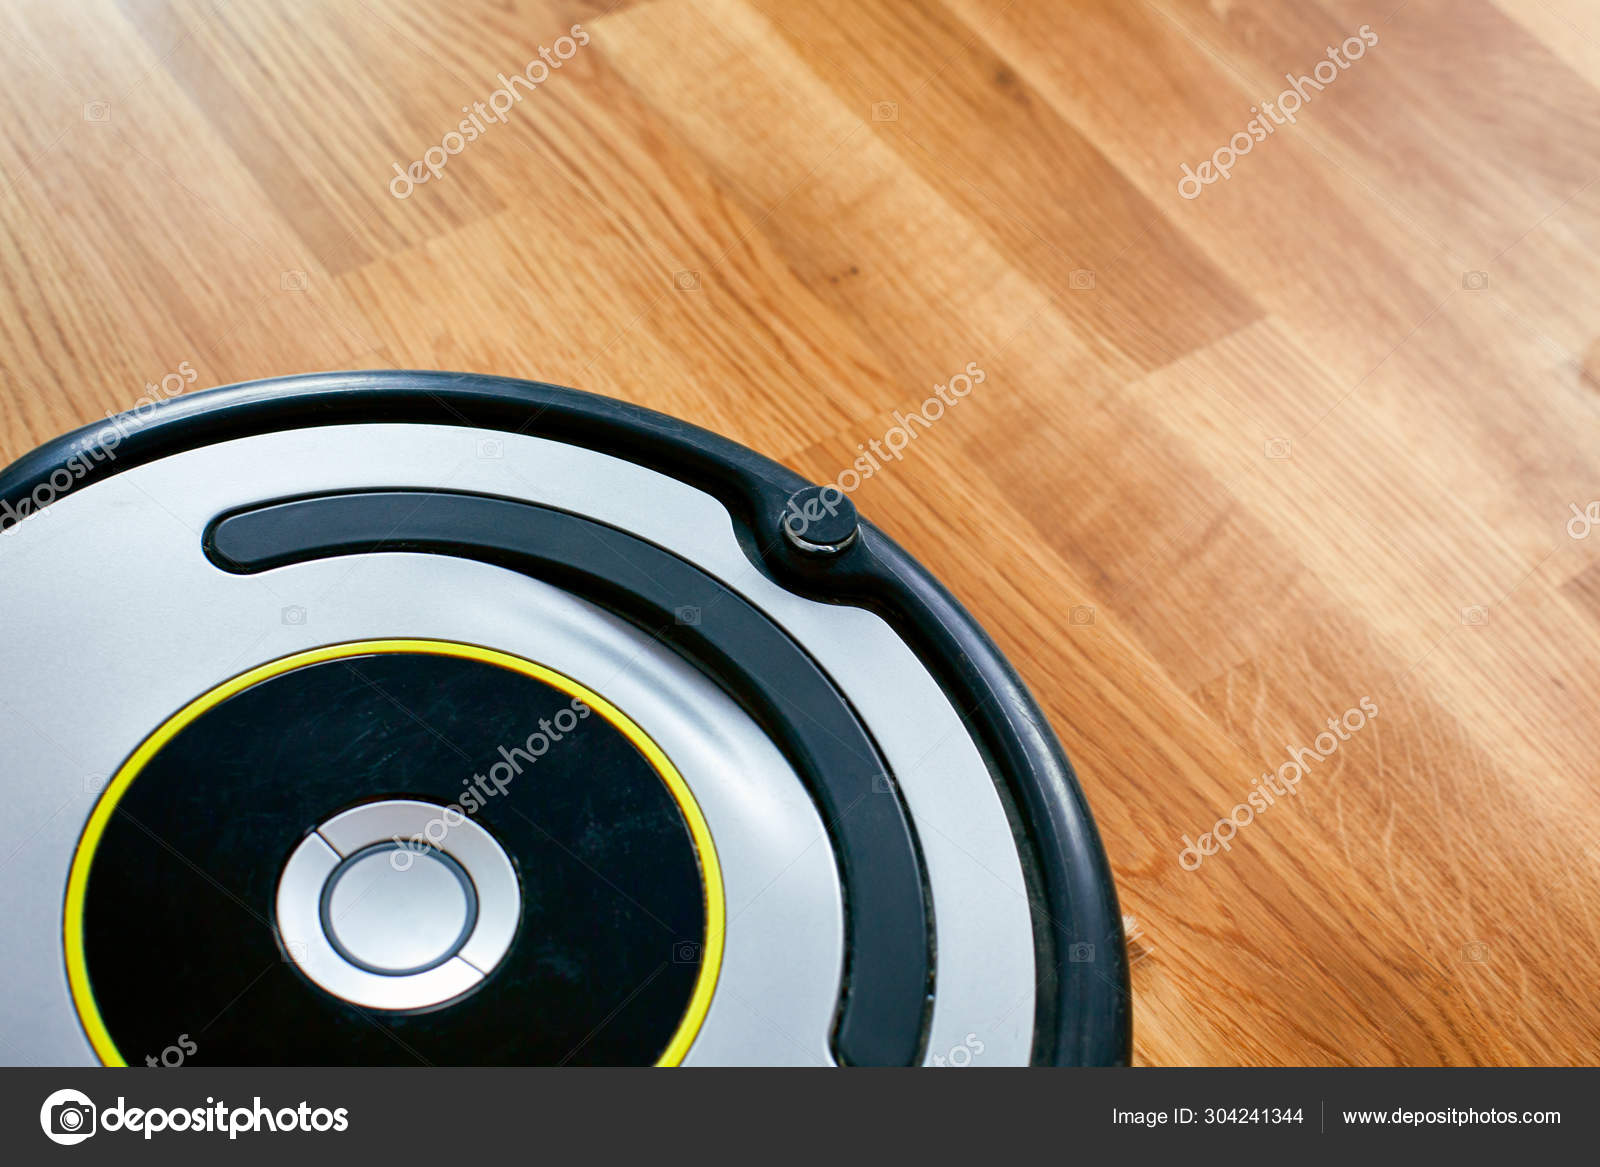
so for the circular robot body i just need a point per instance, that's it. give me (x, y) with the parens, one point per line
(400, 718)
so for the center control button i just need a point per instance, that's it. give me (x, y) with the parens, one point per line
(393, 905)
(398, 910)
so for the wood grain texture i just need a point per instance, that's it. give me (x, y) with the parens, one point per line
(1238, 461)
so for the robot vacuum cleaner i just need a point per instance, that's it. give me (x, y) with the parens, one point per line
(402, 718)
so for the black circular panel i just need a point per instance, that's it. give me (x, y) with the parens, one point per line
(178, 917)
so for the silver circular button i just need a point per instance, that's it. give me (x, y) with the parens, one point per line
(398, 905)
(397, 910)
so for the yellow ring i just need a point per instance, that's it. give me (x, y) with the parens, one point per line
(711, 872)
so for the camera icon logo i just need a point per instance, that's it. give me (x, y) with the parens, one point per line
(886, 111)
(1474, 281)
(686, 281)
(1081, 952)
(67, 1117)
(1082, 615)
(1278, 449)
(293, 615)
(491, 449)
(1081, 280)
(688, 615)
(293, 281)
(685, 952)
(97, 112)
